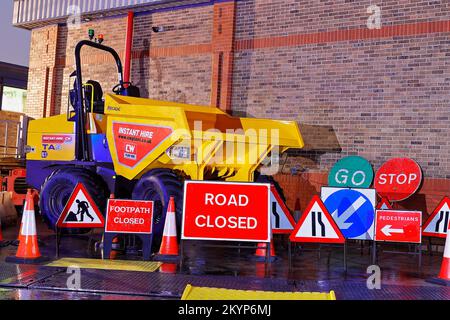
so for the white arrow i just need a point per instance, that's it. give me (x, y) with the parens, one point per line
(387, 230)
(341, 220)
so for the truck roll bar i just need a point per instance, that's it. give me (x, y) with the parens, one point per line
(81, 139)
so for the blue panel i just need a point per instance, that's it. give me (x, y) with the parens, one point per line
(99, 146)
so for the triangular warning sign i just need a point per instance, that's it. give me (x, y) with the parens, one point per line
(384, 204)
(281, 219)
(317, 225)
(438, 223)
(80, 211)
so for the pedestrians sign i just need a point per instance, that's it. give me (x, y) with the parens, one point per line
(352, 209)
(384, 204)
(281, 219)
(316, 225)
(80, 211)
(352, 171)
(398, 179)
(398, 226)
(438, 223)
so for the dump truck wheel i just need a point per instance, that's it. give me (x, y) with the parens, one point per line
(158, 185)
(269, 179)
(58, 187)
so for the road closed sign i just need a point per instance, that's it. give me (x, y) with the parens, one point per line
(398, 226)
(397, 179)
(129, 216)
(352, 171)
(226, 211)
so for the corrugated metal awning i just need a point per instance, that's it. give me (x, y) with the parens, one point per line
(30, 14)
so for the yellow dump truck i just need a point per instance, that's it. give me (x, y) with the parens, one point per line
(142, 148)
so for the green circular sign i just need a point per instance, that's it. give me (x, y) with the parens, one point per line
(352, 171)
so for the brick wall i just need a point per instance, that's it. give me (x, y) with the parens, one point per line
(96, 65)
(384, 96)
(41, 75)
(376, 93)
(174, 64)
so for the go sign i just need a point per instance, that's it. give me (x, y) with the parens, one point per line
(398, 178)
(352, 171)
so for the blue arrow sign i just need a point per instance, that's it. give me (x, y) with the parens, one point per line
(353, 212)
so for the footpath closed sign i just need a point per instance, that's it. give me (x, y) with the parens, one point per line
(226, 211)
(398, 226)
(129, 216)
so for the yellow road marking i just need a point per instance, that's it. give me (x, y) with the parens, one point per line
(204, 293)
(126, 265)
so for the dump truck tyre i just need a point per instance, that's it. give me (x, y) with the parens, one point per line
(158, 185)
(57, 188)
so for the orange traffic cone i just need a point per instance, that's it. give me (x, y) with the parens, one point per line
(28, 250)
(17, 241)
(444, 276)
(169, 244)
(261, 251)
(168, 268)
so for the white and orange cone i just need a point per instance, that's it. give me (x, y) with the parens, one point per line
(169, 245)
(444, 275)
(261, 251)
(17, 241)
(28, 250)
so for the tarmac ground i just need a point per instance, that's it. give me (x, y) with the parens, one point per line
(311, 268)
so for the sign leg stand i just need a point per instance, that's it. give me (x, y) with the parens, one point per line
(320, 246)
(57, 241)
(267, 260)
(420, 256)
(181, 255)
(374, 252)
(430, 247)
(289, 256)
(345, 256)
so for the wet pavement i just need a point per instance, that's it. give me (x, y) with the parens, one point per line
(234, 268)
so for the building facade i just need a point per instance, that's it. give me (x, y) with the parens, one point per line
(13, 86)
(355, 84)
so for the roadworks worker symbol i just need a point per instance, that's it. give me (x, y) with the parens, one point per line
(80, 211)
(317, 225)
(438, 223)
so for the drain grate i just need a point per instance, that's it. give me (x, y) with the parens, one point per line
(155, 284)
(352, 290)
(19, 275)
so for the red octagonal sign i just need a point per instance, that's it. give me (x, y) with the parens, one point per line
(398, 178)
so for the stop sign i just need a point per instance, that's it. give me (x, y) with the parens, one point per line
(398, 178)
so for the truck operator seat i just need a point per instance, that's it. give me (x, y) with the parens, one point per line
(98, 103)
